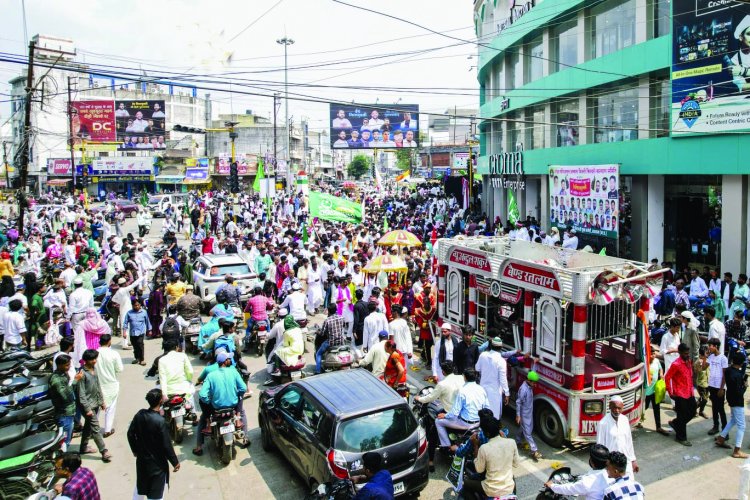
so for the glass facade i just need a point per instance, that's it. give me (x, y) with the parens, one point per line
(662, 17)
(614, 115)
(564, 38)
(612, 27)
(534, 60)
(566, 122)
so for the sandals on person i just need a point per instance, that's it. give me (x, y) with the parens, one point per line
(197, 452)
(107, 434)
(663, 432)
(106, 457)
(142, 363)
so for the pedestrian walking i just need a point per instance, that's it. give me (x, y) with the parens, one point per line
(155, 306)
(494, 376)
(717, 363)
(108, 369)
(700, 369)
(679, 382)
(90, 401)
(736, 383)
(149, 441)
(525, 412)
(62, 395)
(614, 433)
(137, 325)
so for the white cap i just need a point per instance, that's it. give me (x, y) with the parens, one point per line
(295, 286)
(615, 399)
(283, 312)
(446, 326)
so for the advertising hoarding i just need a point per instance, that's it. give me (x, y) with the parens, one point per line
(93, 121)
(370, 127)
(585, 197)
(59, 166)
(122, 166)
(710, 66)
(141, 124)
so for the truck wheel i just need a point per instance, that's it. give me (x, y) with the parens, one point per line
(548, 425)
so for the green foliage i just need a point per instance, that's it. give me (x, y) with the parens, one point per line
(406, 158)
(359, 166)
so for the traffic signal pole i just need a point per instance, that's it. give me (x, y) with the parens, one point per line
(71, 139)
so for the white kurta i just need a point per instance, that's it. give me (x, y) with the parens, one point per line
(108, 367)
(399, 329)
(494, 379)
(314, 288)
(616, 436)
(375, 322)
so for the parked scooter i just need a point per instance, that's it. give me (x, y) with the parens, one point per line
(32, 457)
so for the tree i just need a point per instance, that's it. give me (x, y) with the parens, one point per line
(406, 158)
(359, 166)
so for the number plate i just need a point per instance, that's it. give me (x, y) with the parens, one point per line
(33, 476)
(398, 488)
(178, 413)
(296, 375)
(226, 429)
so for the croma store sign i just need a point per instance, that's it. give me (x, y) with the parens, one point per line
(516, 10)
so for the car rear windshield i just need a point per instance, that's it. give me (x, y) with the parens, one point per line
(154, 200)
(376, 430)
(234, 269)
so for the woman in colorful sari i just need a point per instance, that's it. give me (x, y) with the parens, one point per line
(87, 333)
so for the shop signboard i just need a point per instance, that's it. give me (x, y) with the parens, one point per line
(59, 166)
(196, 174)
(122, 166)
(586, 198)
(710, 67)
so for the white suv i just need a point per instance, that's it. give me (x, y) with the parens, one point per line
(209, 272)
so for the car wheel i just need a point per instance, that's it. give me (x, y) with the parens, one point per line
(548, 425)
(265, 437)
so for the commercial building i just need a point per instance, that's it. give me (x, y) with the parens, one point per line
(448, 140)
(574, 84)
(123, 158)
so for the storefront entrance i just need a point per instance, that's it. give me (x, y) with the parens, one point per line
(692, 220)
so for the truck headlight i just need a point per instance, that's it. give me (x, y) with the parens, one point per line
(595, 407)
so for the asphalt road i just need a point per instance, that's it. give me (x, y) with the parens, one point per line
(667, 468)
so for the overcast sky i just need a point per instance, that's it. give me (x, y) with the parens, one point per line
(173, 35)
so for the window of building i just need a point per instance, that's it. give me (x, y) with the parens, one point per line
(662, 17)
(661, 107)
(514, 131)
(514, 70)
(615, 115)
(534, 53)
(498, 83)
(565, 45)
(566, 122)
(612, 27)
(535, 128)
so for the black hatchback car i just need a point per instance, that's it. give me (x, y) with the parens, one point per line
(324, 424)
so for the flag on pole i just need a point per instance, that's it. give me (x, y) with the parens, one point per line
(305, 236)
(363, 208)
(260, 175)
(513, 215)
(405, 176)
(603, 251)
(385, 224)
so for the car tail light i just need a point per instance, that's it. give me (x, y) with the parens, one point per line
(422, 441)
(337, 463)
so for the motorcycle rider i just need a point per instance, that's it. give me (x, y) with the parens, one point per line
(591, 485)
(171, 241)
(295, 302)
(222, 388)
(275, 337)
(233, 293)
(176, 375)
(189, 305)
(464, 414)
(379, 482)
(257, 306)
(175, 288)
(292, 348)
(331, 334)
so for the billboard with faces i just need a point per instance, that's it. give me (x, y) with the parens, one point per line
(374, 127)
(141, 124)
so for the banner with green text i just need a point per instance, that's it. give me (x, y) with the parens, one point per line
(327, 207)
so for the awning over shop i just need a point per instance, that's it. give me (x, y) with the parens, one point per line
(58, 182)
(169, 179)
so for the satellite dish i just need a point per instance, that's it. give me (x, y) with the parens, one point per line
(602, 293)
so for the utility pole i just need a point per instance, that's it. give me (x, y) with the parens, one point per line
(71, 139)
(6, 166)
(23, 203)
(286, 42)
(275, 150)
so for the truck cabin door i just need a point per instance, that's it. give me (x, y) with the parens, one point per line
(454, 296)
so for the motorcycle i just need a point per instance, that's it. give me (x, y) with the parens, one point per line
(191, 334)
(339, 489)
(175, 410)
(40, 416)
(20, 390)
(32, 456)
(258, 338)
(223, 430)
(558, 476)
(338, 358)
(289, 373)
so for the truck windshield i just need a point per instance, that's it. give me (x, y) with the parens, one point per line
(376, 430)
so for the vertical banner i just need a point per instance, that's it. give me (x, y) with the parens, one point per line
(710, 66)
(585, 197)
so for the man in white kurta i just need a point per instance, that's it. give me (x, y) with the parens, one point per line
(614, 433)
(108, 368)
(444, 343)
(314, 287)
(375, 322)
(399, 330)
(494, 379)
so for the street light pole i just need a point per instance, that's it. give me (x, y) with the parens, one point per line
(286, 42)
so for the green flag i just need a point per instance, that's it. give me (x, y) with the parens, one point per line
(305, 236)
(385, 224)
(144, 198)
(603, 251)
(512, 208)
(327, 207)
(260, 175)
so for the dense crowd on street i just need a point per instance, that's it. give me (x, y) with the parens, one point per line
(68, 254)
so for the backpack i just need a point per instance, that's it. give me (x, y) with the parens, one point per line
(171, 329)
(666, 303)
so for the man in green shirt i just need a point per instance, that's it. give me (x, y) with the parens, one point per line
(61, 395)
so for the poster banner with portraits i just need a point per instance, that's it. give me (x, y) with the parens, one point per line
(710, 66)
(371, 127)
(141, 124)
(92, 121)
(585, 197)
